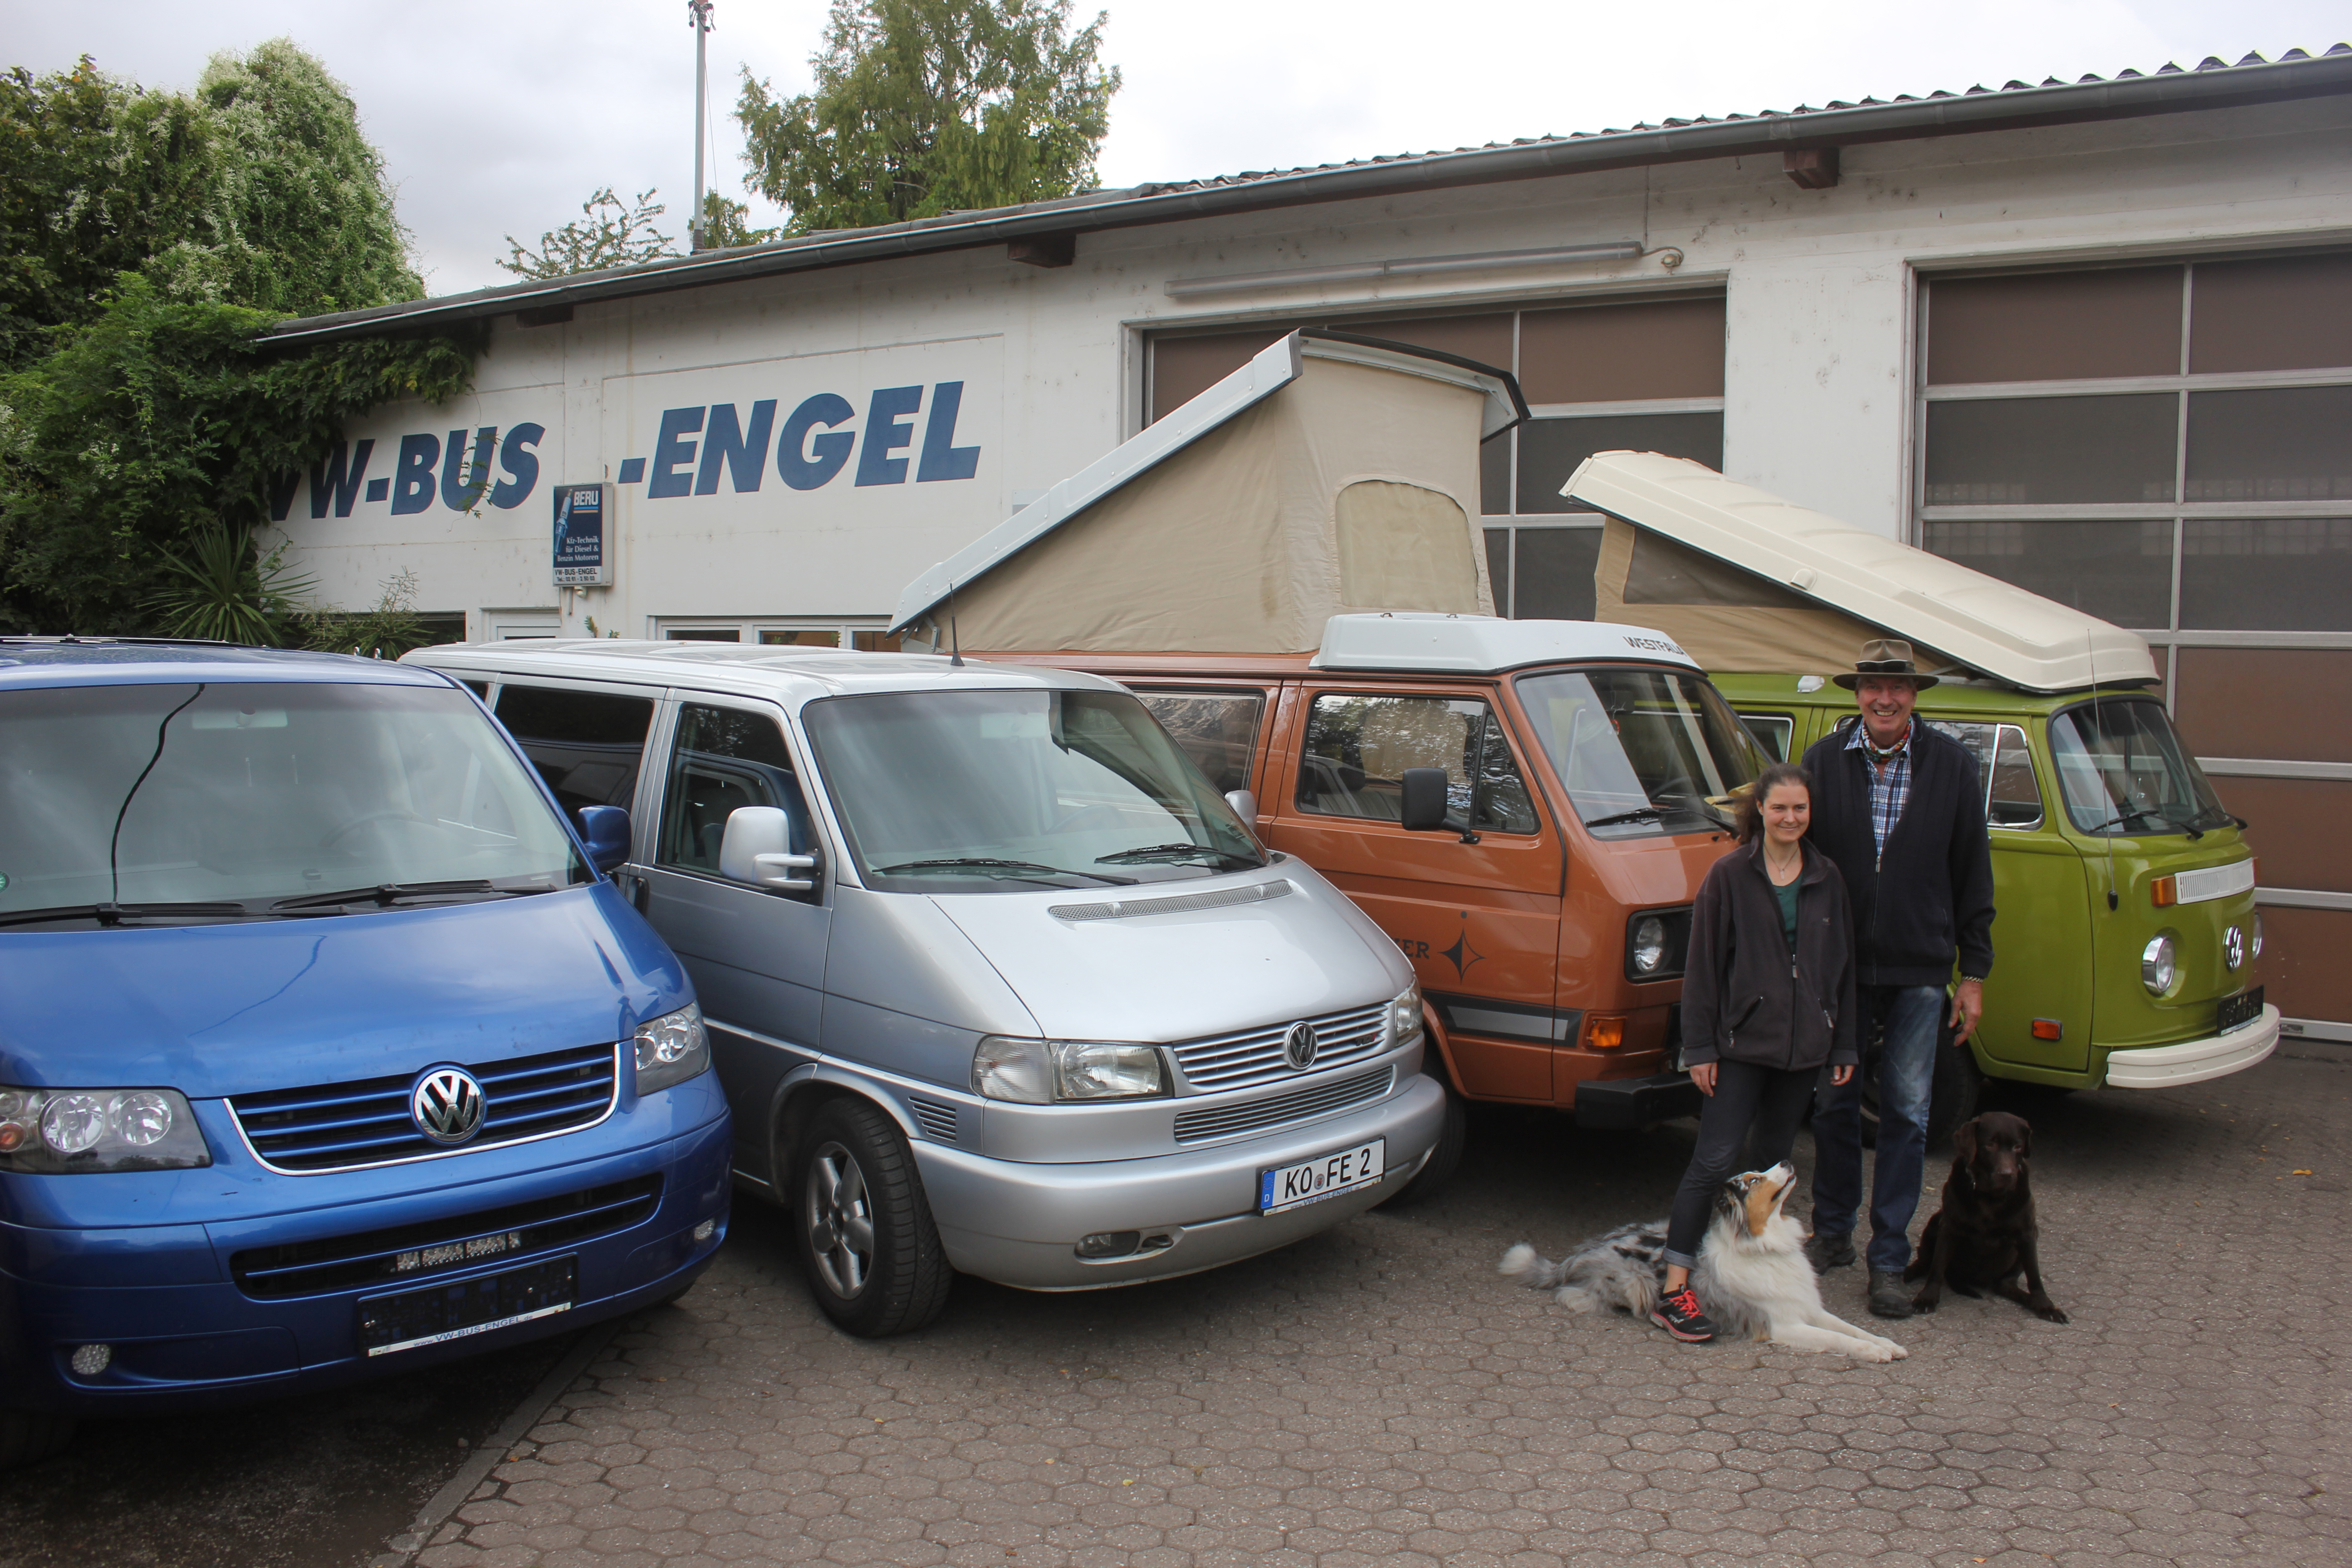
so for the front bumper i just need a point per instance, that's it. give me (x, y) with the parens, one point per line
(1626, 1104)
(2194, 1061)
(1019, 1224)
(185, 1336)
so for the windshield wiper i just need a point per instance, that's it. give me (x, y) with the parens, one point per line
(1636, 815)
(383, 895)
(2125, 818)
(1172, 852)
(112, 914)
(985, 863)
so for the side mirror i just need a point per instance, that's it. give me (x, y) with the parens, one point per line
(1245, 804)
(1422, 807)
(605, 830)
(757, 849)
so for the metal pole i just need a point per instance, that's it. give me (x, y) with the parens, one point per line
(698, 17)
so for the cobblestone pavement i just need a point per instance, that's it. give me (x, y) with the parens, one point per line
(1380, 1395)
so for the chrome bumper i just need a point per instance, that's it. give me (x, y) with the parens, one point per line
(2194, 1061)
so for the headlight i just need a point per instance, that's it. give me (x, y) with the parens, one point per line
(67, 1132)
(2157, 969)
(1657, 942)
(1038, 1073)
(1404, 1016)
(1647, 946)
(671, 1048)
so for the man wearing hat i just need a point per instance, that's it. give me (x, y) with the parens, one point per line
(1899, 807)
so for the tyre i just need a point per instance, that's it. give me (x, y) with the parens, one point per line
(1453, 1135)
(27, 1436)
(1954, 1094)
(861, 1226)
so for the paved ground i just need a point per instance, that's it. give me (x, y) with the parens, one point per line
(1378, 1395)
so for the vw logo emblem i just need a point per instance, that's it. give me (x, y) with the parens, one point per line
(1300, 1046)
(2233, 947)
(448, 1105)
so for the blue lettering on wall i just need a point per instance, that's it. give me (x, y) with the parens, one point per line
(744, 451)
(886, 432)
(805, 464)
(281, 493)
(521, 465)
(377, 489)
(338, 479)
(942, 458)
(464, 477)
(633, 471)
(672, 451)
(412, 475)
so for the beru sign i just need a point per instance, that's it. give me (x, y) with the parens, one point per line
(580, 559)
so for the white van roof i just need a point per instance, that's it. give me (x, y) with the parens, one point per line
(1483, 645)
(743, 669)
(1808, 558)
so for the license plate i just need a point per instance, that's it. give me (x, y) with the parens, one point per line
(463, 1307)
(1289, 1187)
(2236, 1012)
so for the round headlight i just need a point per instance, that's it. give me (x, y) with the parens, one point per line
(1648, 945)
(2157, 969)
(71, 1123)
(141, 1118)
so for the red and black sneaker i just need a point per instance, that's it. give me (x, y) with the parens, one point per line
(1679, 1315)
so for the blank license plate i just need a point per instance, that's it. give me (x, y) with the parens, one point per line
(463, 1307)
(2236, 1012)
(1324, 1176)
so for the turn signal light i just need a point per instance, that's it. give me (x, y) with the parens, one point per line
(1604, 1034)
(2165, 891)
(2050, 1028)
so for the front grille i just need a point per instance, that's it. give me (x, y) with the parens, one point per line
(1225, 1120)
(1254, 1056)
(936, 1119)
(337, 1263)
(340, 1126)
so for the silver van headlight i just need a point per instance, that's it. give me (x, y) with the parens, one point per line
(1038, 1072)
(66, 1131)
(671, 1048)
(2157, 969)
(1404, 1016)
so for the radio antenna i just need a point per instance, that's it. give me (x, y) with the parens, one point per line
(2091, 659)
(955, 638)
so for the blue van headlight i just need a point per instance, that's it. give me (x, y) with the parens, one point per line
(671, 1048)
(68, 1131)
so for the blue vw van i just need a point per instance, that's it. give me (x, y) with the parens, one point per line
(326, 1048)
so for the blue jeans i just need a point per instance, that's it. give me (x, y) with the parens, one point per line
(1908, 1018)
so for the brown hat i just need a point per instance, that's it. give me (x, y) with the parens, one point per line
(1886, 655)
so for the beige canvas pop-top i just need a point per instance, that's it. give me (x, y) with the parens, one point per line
(1332, 474)
(1746, 581)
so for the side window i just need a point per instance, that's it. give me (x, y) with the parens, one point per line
(586, 744)
(1218, 730)
(724, 758)
(1772, 731)
(2016, 798)
(1358, 749)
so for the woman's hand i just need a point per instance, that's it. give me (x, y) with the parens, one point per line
(1842, 1074)
(1702, 1075)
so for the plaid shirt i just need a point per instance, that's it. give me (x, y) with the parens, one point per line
(1890, 786)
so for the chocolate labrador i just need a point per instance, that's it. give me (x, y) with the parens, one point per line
(1984, 1236)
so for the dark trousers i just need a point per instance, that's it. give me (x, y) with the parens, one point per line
(1750, 1102)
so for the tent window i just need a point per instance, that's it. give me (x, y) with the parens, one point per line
(1664, 572)
(1403, 547)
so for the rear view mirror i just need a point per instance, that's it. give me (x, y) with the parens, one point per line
(757, 849)
(1422, 804)
(605, 831)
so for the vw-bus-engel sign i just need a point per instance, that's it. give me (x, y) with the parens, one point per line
(907, 433)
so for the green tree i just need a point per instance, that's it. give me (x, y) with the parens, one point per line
(929, 106)
(609, 232)
(149, 240)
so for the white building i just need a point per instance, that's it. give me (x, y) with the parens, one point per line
(2095, 338)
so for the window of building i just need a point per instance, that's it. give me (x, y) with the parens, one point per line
(1644, 375)
(868, 636)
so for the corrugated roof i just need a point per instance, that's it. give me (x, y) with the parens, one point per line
(2213, 83)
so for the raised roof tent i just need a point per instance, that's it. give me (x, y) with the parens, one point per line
(1746, 581)
(1332, 473)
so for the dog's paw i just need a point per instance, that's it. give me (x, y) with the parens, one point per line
(1924, 1303)
(1896, 1352)
(2049, 1315)
(1886, 1350)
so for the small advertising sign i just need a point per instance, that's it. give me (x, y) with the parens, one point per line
(581, 558)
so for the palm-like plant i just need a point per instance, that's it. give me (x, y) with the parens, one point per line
(221, 587)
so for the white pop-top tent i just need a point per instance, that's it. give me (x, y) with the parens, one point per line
(1329, 475)
(1746, 581)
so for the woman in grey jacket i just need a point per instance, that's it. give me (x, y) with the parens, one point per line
(1768, 997)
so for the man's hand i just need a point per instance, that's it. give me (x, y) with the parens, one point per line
(1968, 1007)
(1842, 1074)
(1702, 1075)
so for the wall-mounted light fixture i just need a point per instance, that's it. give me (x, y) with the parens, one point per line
(1417, 266)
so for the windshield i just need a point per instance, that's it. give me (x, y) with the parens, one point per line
(242, 796)
(1642, 750)
(2124, 772)
(994, 791)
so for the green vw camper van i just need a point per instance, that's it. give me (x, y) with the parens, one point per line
(2126, 934)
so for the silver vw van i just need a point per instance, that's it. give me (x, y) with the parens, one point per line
(995, 979)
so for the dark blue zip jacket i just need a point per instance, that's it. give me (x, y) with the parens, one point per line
(1929, 896)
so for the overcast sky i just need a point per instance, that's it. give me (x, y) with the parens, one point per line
(500, 118)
